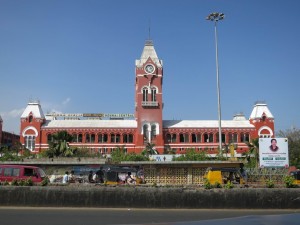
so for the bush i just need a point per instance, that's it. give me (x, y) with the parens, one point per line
(270, 183)
(45, 182)
(289, 181)
(228, 185)
(217, 185)
(207, 184)
(28, 182)
(15, 182)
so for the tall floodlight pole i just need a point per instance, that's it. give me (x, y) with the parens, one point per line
(216, 17)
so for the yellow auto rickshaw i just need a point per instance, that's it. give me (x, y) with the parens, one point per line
(296, 175)
(224, 175)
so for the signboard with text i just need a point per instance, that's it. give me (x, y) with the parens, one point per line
(273, 152)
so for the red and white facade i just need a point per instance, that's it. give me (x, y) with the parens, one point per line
(147, 125)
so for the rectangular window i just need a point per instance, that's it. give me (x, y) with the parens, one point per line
(16, 172)
(11, 172)
(7, 172)
(28, 172)
(173, 138)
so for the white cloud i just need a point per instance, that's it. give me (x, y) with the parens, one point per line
(66, 101)
(15, 113)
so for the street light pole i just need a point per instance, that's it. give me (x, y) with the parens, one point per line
(216, 17)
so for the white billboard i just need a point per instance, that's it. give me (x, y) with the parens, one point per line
(273, 152)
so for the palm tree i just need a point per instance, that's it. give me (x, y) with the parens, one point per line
(59, 146)
(253, 151)
(150, 150)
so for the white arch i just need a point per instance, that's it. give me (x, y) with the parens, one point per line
(146, 87)
(156, 125)
(154, 87)
(30, 128)
(265, 128)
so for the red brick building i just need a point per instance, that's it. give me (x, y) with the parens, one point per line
(147, 124)
(6, 138)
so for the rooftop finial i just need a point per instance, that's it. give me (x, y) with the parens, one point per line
(149, 41)
(149, 34)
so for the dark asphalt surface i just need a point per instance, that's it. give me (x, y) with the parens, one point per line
(96, 216)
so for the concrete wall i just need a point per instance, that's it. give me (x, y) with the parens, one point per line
(149, 197)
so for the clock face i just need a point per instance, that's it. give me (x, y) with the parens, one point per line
(149, 68)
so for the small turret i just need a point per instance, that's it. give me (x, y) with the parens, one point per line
(32, 120)
(262, 118)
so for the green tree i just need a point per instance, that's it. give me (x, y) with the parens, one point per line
(293, 136)
(192, 155)
(169, 150)
(252, 155)
(119, 154)
(59, 145)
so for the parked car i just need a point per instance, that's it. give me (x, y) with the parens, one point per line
(21, 172)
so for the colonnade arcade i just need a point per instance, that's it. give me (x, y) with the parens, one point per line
(205, 137)
(99, 137)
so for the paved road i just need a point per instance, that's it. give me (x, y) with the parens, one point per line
(95, 216)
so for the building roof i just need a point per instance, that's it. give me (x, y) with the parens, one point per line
(260, 109)
(34, 108)
(148, 51)
(90, 124)
(206, 124)
(133, 124)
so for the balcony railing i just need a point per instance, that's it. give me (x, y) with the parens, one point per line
(149, 103)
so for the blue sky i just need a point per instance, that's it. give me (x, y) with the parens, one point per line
(78, 56)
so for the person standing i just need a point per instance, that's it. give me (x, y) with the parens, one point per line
(71, 178)
(66, 178)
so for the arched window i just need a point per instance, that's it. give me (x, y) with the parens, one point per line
(87, 138)
(74, 138)
(92, 138)
(125, 138)
(118, 138)
(102, 138)
(130, 138)
(244, 137)
(153, 131)
(145, 94)
(112, 138)
(171, 138)
(145, 132)
(184, 138)
(80, 138)
(168, 136)
(30, 142)
(30, 118)
(209, 137)
(49, 138)
(153, 94)
(223, 138)
(196, 138)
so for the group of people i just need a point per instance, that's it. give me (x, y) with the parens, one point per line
(68, 178)
(95, 177)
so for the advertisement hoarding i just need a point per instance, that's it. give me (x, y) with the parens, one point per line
(273, 152)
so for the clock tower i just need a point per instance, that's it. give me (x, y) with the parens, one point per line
(148, 99)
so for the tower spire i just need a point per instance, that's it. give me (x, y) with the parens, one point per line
(149, 30)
